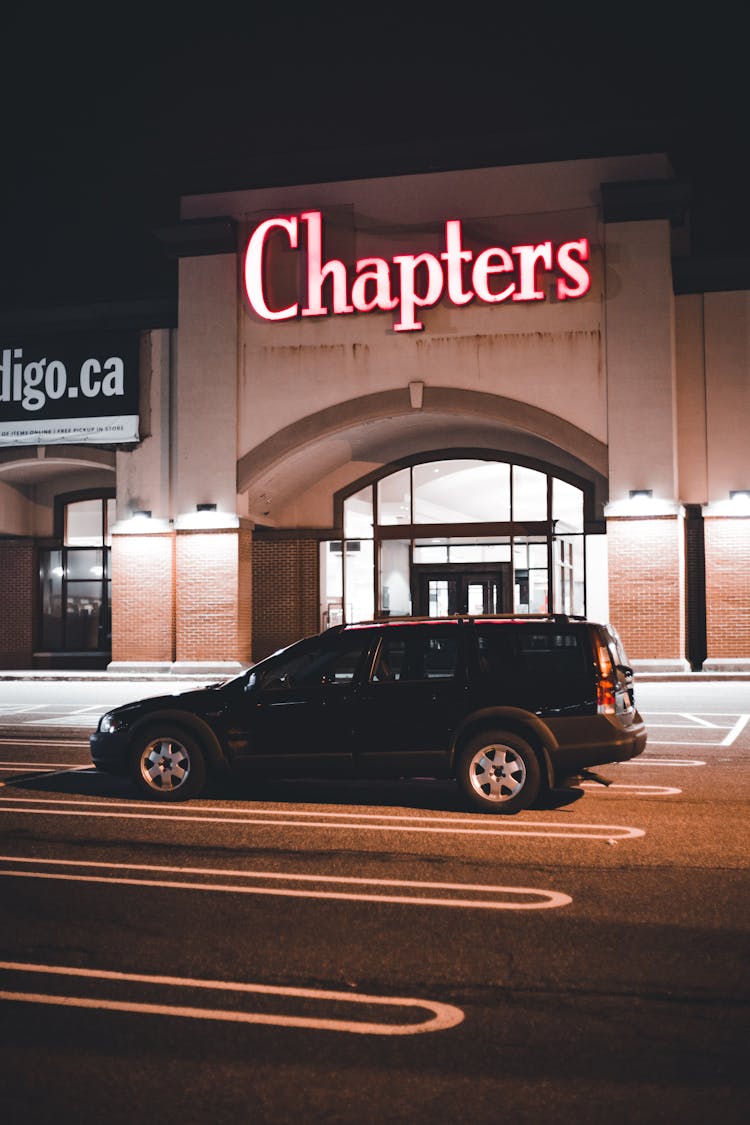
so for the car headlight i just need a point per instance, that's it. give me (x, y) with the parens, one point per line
(109, 723)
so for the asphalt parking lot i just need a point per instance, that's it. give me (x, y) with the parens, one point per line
(369, 952)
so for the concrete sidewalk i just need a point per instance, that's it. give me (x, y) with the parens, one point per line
(34, 675)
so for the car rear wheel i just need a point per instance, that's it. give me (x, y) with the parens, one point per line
(498, 772)
(168, 764)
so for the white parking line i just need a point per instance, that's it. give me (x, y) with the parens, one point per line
(664, 761)
(21, 708)
(673, 742)
(444, 1015)
(736, 730)
(699, 720)
(636, 790)
(541, 899)
(39, 766)
(66, 744)
(684, 726)
(326, 820)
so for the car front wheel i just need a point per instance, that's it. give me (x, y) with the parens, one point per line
(498, 772)
(168, 764)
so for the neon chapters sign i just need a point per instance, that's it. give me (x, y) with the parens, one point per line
(407, 283)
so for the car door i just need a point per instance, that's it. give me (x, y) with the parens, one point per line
(412, 702)
(296, 715)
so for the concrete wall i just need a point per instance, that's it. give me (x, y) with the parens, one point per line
(640, 359)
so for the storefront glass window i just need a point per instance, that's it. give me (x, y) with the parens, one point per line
(83, 616)
(479, 553)
(358, 579)
(84, 523)
(567, 506)
(331, 584)
(84, 565)
(394, 498)
(358, 515)
(395, 589)
(75, 586)
(51, 581)
(507, 570)
(530, 577)
(429, 553)
(529, 494)
(461, 492)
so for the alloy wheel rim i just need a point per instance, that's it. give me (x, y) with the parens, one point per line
(497, 773)
(165, 764)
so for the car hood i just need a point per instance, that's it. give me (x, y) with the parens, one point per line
(199, 701)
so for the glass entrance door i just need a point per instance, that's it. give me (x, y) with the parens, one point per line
(442, 591)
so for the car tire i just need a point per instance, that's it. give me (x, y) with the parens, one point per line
(167, 764)
(498, 772)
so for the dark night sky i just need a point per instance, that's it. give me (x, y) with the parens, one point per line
(105, 120)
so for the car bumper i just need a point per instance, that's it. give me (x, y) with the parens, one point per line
(109, 752)
(595, 743)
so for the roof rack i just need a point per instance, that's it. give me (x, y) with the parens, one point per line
(558, 618)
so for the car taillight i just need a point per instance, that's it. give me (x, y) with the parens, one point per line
(605, 686)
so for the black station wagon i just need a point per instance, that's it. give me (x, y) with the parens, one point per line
(506, 706)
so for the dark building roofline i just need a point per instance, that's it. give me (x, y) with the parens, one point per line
(134, 315)
(710, 275)
(635, 200)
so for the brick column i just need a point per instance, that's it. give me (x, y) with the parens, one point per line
(18, 579)
(647, 588)
(286, 591)
(213, 597)
(727, 547)
(143, 630)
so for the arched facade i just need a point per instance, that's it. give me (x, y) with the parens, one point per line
(489, 389)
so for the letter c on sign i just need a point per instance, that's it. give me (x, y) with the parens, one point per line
(254, 268)
(89, 386)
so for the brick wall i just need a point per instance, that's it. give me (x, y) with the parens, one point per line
(213, 595)
(143, 617)
(18, 579)
(646, 586)
(727, 546)
(286, 592)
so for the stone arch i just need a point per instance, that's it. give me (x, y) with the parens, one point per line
(384, 426)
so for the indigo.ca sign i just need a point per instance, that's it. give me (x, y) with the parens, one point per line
(81, 389)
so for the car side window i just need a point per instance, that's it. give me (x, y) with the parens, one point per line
(543, 665)
(317, 666)
(497, 652)
(390, 662)
(438, 658)
(416, 654)
(431, 655)
(554, 661)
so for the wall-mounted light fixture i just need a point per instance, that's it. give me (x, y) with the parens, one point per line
(141, 521)
(740, 495)
(641, 503)
(206, 517)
